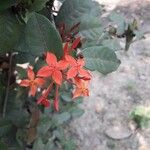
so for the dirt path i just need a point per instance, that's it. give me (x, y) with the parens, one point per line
(113, 96)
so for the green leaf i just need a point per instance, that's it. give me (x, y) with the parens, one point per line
(101, 59)
(76, 112)
(20, 136)
(44, 124)
(67, 97)
(5, 127)
(38, 5)
(10, 31)
(42, 36)
(62, 118)
(121, 28)
(72, 11)
(120, 21)
(38, 145)
(22, 44)
(24, 57)
(91, 31)
(49, 145)
(117, 18)
(69, 145)
(4, 4)
(111, 44)
(15, 108)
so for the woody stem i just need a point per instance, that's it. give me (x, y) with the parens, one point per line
(8, 83)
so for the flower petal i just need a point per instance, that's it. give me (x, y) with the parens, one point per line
(44, 72)
(56, 104)
(51, 59)
(75, 43)
(40, 100)
(33, 90)
(39, 81)
(25, 82)
(81, 62)
(45, 102)
(31, 74)
(84, 73)
(66, 48)
(57, 77)
(77, 93)
(85, 92)
(62, 64)
(71, 60)
(72, 72)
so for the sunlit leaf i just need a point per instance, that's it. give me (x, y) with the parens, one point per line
(101, 59)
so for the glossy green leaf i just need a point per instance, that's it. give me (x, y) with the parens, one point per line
(42, 36)
(10, 31)
(101, 59)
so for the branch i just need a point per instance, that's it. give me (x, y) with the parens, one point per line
(8, 84)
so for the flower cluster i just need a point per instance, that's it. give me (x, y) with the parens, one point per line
(68, 69)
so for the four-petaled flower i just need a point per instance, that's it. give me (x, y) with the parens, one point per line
(53, 69)
(32, 82)
(77, 68)
(68, 68)
(81, 88)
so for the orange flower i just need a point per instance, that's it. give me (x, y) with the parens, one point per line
(53, 69)
(77, 68)
(67, 49)
(32, 82)
(43, 98)
(81, 88)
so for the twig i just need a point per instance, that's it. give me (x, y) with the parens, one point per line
(8, 83)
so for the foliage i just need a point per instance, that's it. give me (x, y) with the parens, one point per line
(30, 33)
(141, 115)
